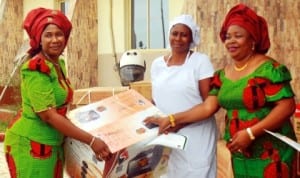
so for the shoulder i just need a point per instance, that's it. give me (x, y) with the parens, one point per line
(37, 63)
(200, 57)
(159, 60)
(200, 60)
(273, 70)
(216, 82)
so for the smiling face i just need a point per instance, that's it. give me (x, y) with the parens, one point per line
(180, 38)
(238, 42)
(53, 41)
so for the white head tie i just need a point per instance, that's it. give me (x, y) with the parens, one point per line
(188, 21)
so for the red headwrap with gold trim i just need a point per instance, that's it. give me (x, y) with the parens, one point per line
(245, 17)
(36, 21)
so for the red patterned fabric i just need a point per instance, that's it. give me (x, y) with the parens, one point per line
(70, 92)
(276, 169)
(268, 149)
(58, 172)
(40, 151)
(62, 111)
(39, 64)
(216, 82)
(11, 163)
(237, 124)
(253, 95)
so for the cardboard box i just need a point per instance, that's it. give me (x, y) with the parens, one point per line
(134, 161)
(143, 87)
(296, 125)
(296, 122)
(118, 121)
(224, 165)
(90, 95)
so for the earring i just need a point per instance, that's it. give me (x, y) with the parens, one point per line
(253, 46)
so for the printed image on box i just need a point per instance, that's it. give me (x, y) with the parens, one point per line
(139, 161)
(81, 161)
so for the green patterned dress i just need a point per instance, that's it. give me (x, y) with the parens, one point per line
(247, 101)
(33, 148)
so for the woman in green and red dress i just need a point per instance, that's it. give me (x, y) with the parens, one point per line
(34, 142)
(256, 93)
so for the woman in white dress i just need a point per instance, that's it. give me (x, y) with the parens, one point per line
(180, 80)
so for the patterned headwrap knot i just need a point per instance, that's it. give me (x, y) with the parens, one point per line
(246, 18)
(36, 21)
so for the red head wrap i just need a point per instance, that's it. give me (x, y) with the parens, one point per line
(245, 17)
(36, 21)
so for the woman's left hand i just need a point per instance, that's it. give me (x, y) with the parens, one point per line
(239, 142)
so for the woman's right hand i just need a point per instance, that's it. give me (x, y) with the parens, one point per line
(162, 122)
(101, 150)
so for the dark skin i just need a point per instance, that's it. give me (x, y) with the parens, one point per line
(239, 45)
(53, 43)
(180, 39)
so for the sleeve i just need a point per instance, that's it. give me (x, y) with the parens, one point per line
(37, 87)
(205, 68)
(154, 70)
(215, 84)
(274, 78)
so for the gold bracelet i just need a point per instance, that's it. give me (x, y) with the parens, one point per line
(92, 141)
(172, 120)
(249, 131)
